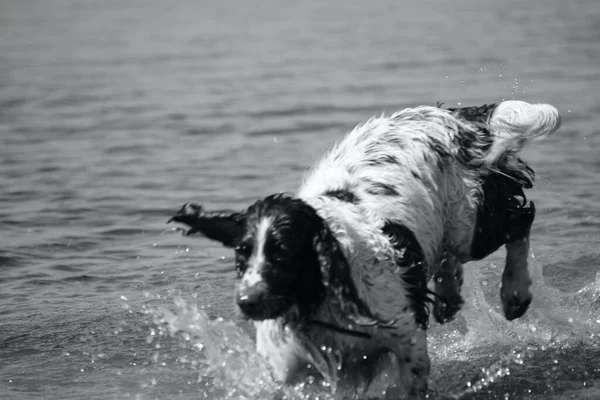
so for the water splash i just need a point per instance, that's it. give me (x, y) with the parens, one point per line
(478, 351)
(230, 366)
(490, 347)
(225, 351)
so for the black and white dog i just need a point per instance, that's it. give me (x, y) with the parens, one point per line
(335, 276)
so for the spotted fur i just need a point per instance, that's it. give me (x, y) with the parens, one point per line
(335, 276)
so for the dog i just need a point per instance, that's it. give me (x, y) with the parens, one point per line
(335, 276)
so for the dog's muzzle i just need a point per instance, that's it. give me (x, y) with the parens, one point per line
(257, 303)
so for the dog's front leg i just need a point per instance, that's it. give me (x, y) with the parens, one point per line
(515, 293)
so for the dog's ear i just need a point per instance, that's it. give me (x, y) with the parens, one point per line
(223, 226)
(337, 279)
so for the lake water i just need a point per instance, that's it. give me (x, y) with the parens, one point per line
(114, 113)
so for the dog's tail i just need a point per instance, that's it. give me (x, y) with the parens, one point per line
(513, 123)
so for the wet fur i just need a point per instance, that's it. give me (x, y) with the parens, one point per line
(398, 200)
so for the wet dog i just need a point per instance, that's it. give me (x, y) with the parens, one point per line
(335, 276)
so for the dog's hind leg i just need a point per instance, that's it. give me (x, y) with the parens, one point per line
(448, 281)
(515, 293)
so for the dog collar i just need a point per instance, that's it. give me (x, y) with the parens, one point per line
(343, 331)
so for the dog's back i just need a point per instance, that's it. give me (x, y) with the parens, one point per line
(451, 177)
(424, 167)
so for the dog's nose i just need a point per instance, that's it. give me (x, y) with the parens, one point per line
(250, 299)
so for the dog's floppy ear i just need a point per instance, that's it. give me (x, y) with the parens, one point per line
(335, 273)
(224, 226)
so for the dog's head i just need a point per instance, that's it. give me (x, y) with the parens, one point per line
(276, 258)
(286, 257)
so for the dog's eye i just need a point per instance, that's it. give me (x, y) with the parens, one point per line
(242, 254)
(282, 253)
(244, 249)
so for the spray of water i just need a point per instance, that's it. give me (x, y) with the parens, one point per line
(555, 323)
(480, 338)
(229, 367)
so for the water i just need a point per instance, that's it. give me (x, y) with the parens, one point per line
(113, 113)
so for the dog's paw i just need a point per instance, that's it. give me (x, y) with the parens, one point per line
(514, 303)
(444, 310)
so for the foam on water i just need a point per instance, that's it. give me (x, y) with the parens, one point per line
(477, 350)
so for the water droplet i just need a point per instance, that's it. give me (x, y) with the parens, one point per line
(518, 360)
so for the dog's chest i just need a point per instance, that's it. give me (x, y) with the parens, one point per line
(292, 354)
(284, 350)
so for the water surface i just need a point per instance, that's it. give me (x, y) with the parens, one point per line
(114, 113)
